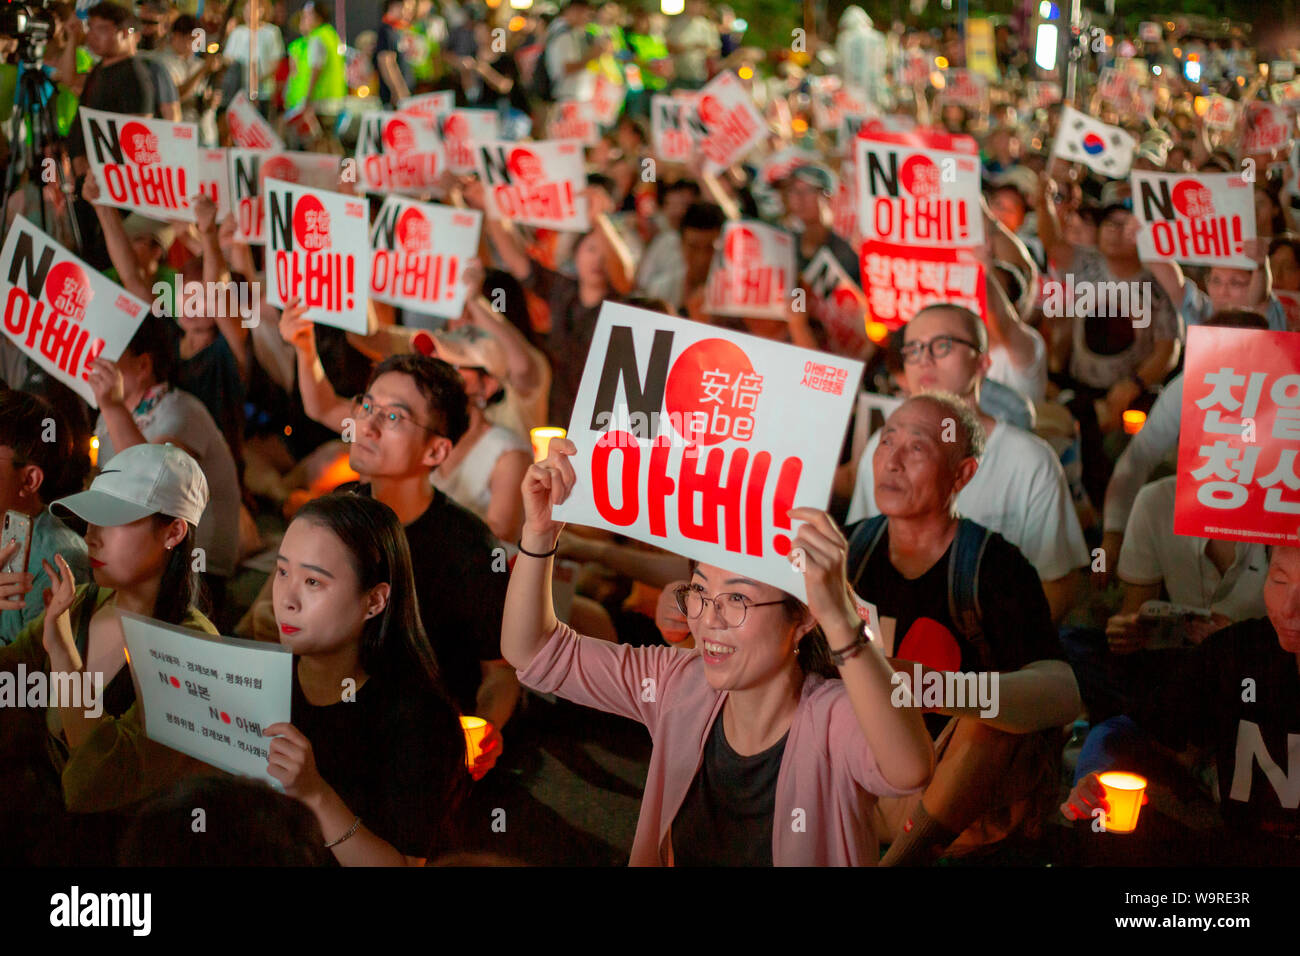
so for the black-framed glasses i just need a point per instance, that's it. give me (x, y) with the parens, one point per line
(731, 606)
(390, 417)
(938, 347)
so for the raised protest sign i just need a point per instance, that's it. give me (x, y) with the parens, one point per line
(535, 184)
(1268, 129)
(729, 124)
(61, 312)
(214, 179)
(318, 251)
(670, 135)
(574, 119)
(901, 280)
(965, 88)
(606, 97)
(1285, 94)
(1221, 112)
(837, 302)
(700, 440)
(418, 255)
(148, 166)
(248, 130)
(461, 131)
(1104, 149)
(754, 272)
(1238, 477)
(910, 195)
(1042, 93)
(1281, 70)
(248, 169)
(397, 153)
(209, 697)
(1117, 88)
(429, 105)
(844, 205)
(1196, 219)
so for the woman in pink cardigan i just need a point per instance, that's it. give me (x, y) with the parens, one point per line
(758, 759)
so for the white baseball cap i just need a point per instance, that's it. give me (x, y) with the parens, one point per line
(140, 481)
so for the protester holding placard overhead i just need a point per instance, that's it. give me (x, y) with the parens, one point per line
(142, 515)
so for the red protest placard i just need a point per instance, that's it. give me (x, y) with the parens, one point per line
(429, 105)
(1238, 478)
(837, 302)
(754, 272)
(700, 440)
(1197, 219)
(418, 255)
(901, 280)
(148, 166)
(59, 311)
(573, 119)
(1221, 112)
(248, 129)
(318, 251)
(535, 184)
(729, 122)
(1268, 128)
(214, 179)
(910, 195)
(397, 153)
(670, 134)
(965, 88)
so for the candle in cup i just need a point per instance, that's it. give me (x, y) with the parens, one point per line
(94, 452)
(1124, 794)
(1134, 419)
(475, 730)
(542, 439)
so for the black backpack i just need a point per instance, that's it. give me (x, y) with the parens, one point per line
(540, 84)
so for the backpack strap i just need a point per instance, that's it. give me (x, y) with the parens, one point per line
(963, 585)
(862, 543)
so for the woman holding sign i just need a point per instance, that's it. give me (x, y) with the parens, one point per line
(375, 749)
(758, 758)
(142, 510)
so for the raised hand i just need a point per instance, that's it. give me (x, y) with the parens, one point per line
(546, 484)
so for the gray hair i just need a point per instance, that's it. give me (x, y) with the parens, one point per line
(970, 437)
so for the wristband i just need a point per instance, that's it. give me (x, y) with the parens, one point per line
(853, 650)
(356, 825)
(534, 554)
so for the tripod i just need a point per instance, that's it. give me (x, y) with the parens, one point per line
(33, 114)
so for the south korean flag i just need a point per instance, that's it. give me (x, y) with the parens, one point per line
(1107, 150)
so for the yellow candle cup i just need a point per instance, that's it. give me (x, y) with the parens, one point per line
(475, 730)
(1124, 794)
(541, 437)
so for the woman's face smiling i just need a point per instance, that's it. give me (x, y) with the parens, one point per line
(739, 658)
(319, 605)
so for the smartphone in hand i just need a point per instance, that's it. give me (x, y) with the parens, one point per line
(17, 527)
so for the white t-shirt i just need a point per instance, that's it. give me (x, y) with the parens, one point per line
(180, 415)
(1019, 491)
(1030, 381)
(565, 48)
(469, 485)
(270, 50)
(1152, 553)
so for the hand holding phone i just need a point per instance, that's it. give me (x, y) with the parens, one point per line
(15, 549)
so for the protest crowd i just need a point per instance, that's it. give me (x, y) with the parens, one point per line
(369, 400)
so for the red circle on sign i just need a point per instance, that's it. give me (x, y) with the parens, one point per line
(525, 165)
(413, 231)
(1193, 199)
(68, 290)
(920, 177)
(311, 224)
(225, 716)
(399, 137)
(698, 395)
(710, 110)
(455, 126)
(742, 247)
(140, 144)
(280, 168)
(175, 682)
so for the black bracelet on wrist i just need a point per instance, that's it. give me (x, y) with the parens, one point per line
(861, 640)
(534, 554)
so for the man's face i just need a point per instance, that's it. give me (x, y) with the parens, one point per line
(803, 201)
(1229, 288)
(1007, 209)
(384, 448)
(1282, 597)
(153, 27)
(958, 371)
(103, 38)
(1112, 239)
(913, 468)
(675, 205)
(697, 249)
(1286, 270)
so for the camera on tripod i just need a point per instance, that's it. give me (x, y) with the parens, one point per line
(31, 24)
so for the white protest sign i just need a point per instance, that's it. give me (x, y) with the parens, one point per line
(670, 135)
(1268, 129)
(214, 179)
(148, 166)
(1042, 93)
(1104, 149)
(911, 195)
(535, 184)
(248, 129)
(754, 272)
(1285, 94)
(1197, 219)
(429, 105)
(318, 251)
(461, 130)
(418, 255)
(729, 123)
(1221, 112)
(248, 169)
(1281, 70)
(700, 440)
(574, 119)
(965, 88)
(837, 302)
(209, 697)
(59, 311)
(397, 153)
(605, 96)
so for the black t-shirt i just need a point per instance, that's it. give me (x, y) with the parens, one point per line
(1016, 619)
(389, 754)
(572, 325)
(1250, 727)
(389, 40)
(212, 376)
(726, 819)
(840, 249)
(126, 86)
(462, 598)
